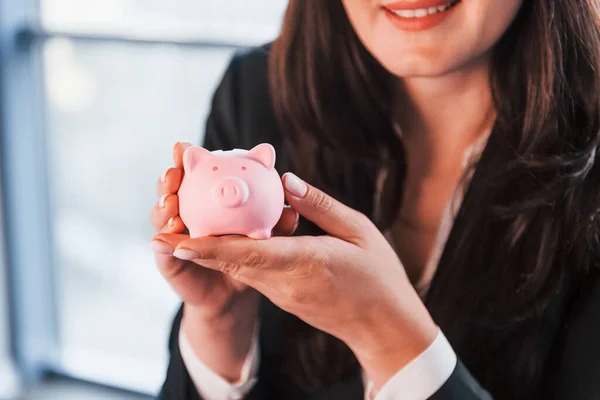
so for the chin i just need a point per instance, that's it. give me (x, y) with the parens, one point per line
(416, 66)
(427, 61)
(418, 69)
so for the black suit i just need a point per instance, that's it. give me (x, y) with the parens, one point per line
(242, 117)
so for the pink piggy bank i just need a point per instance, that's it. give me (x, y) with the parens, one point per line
(230, 192)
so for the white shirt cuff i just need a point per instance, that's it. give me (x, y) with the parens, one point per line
(210, 385)
(422, 377)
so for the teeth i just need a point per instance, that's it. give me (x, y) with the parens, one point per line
(406, 13)
(423, 12)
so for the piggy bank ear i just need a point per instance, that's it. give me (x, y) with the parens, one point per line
(264, 153)
(194, 155)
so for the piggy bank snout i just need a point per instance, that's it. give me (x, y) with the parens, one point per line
(230, 192)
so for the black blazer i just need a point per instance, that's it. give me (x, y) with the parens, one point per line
(242, 117)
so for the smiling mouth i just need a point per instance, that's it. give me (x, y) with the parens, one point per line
(425, 12)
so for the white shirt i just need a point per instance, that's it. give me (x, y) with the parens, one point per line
(419, 380)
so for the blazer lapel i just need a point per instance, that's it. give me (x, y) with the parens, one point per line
(490, 153)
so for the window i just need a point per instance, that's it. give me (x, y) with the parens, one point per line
(118, 82)
(236, 21)
(9, 380)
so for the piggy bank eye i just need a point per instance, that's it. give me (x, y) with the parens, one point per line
(244, 168)
(215, 168)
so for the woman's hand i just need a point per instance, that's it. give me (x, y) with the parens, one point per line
(349, 283)
(218, 309)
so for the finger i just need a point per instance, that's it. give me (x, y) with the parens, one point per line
(166, 243)
(178, 150)
(169, 181)
(288, 222)
(174, 225)
(241, 257)
(190, 282)
(327, 213)
(166, 208)
(268, 287)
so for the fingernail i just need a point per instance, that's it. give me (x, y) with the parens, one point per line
(158, 246)
(295, 185)
(185, 254)
(171, 222)
(163, 177)
(163, 198)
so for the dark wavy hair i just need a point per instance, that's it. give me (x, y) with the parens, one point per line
(531, 230)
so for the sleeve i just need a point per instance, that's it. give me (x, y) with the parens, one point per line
(212, 386)
(177, 385)
(221, 133)
(461, 385)
(437, 374)
(422, 377)
(574, 375)
(577, 376)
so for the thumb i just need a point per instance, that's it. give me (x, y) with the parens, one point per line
(323, 210)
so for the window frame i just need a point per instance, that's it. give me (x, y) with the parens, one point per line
(25, 200)
(10, 382)
(24, 197)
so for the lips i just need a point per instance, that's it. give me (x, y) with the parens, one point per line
(416, 4)
(419, 15)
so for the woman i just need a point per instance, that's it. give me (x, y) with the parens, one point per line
(444, 171)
